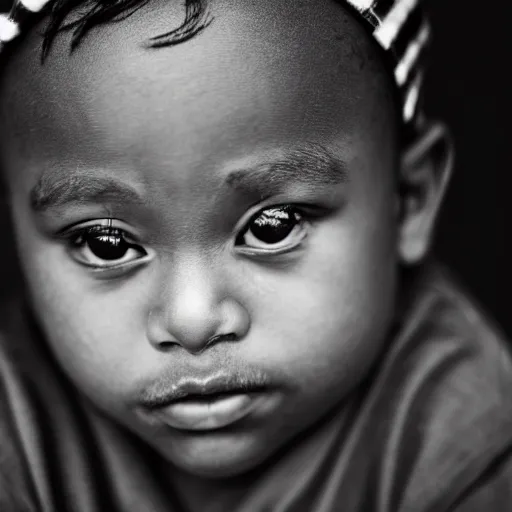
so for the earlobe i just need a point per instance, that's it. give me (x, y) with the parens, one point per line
(426, 167)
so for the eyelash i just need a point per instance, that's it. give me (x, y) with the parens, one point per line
(80, 238)
(270, 216)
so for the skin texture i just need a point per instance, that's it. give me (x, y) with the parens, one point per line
(172, 124)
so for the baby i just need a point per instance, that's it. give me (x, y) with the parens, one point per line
(223, 213)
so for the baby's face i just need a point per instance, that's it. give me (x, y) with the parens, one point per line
(218, 213)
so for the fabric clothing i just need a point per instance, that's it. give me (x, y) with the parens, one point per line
(401, 28)
(429, 431)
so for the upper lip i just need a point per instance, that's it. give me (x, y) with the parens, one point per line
(201, 387)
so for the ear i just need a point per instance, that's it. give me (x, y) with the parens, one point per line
(426, 168)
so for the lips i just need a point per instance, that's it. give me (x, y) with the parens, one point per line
(207, 403)
(212, 414)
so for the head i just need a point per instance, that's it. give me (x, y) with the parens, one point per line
(233, 208)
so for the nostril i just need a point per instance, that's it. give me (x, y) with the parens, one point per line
(221, 338)
(167, 345)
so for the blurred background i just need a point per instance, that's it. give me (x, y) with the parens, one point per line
(466, 88)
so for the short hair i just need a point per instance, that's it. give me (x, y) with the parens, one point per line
(98, 12)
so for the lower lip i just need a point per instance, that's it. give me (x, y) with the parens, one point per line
(203, 415)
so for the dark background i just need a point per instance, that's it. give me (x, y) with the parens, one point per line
(466, 88)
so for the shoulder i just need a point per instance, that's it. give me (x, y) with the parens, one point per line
(41, 424)
(16, 430)
(445, 393)
(492, 491)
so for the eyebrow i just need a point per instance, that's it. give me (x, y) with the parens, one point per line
(310, 164)
(56, 190)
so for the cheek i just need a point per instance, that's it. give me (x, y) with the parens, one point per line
(95, 329)
(329, 316)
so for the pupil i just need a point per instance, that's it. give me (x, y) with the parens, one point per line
(108, 247)
(274, 225)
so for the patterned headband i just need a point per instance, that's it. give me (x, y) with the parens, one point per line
(402, 30)
(398, 26)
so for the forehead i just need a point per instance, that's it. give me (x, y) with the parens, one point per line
(263, 73)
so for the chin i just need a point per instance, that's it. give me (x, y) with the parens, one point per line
(218, 455)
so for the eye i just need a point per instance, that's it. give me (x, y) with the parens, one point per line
(274, 229)
(104, 246)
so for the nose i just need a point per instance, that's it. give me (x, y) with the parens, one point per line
(194, 309)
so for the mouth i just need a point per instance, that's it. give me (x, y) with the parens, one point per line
(208, 404)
